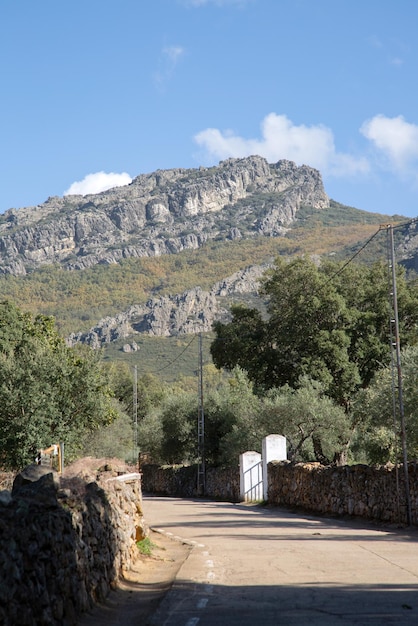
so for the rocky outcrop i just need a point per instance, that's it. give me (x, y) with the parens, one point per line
(407, 246)
(164, 212)
(191, 312)
(188, 313)
(243, 282)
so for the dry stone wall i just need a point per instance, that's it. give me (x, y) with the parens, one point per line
(64, 543)
(359, 490)
(221, 484)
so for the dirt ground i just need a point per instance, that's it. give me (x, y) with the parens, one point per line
(143, 588)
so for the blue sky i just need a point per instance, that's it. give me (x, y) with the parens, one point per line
(95, 92)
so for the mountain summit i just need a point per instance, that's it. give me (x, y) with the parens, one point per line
(164, 212)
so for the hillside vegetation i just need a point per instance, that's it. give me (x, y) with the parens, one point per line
(153, 275)
(78, 299)
(83, 259)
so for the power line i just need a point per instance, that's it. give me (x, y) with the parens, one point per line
(175, 359)
(201, 472)
(339, 271)
(135, 412)
(350, 260)
(402, 224)
(382, 227)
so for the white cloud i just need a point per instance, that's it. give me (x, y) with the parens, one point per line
(173, 53)
(395, 139)
(281, 139)
(170, 56)
(375, 41)
(95, 183)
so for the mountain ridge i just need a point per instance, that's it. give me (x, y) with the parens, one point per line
(170, 212)
(160, 213)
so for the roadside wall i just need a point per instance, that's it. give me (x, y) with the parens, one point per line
(63, 545)
(360, 490)
(221, 484)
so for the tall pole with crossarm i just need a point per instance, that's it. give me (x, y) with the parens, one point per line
(397, 347)
(135, 413)
(201, 472)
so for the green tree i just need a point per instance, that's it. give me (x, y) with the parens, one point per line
(150, 436)
(169, 432)
(150, 390)
(113, 440)
(323, 321)
(307, 326)
(365, 290)
(231, 420)
(236, 420)
(49, 393)
(179, 429)
(376, 411)
(314, 426)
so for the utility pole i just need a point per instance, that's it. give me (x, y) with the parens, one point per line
(397, 347)
(201, 473)
(135, 413)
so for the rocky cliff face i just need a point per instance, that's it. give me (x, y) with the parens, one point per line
(407, 246)
(164, 212)
(191, 312)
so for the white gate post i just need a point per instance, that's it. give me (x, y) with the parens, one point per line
(274, 449)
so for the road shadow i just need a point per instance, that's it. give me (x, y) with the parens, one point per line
(293, 605)
(284, 523)
(140, 591)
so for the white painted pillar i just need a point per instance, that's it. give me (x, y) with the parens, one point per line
(274, 449)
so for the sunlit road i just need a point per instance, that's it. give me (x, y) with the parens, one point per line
(264, 566)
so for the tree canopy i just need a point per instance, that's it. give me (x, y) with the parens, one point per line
(49, 393)
(323, 321)
(378, 416)
(237, 420)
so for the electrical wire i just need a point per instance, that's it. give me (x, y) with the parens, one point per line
(175, 359)
(339, 271)
(382, 227)
(350, 260)
(408, 223)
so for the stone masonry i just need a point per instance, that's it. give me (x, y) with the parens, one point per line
(64, 543)
(356, 490)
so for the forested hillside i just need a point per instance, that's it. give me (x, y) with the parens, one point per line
(160, 273)
(84, 259)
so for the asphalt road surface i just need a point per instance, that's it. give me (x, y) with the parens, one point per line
(266, 566)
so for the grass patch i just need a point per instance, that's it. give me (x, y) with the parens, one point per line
(169, 358)
(146, 546)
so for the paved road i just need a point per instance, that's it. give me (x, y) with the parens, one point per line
(265, 566)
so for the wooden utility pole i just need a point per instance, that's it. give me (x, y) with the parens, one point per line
(201, 472)
(397, 347)
(135, 413)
